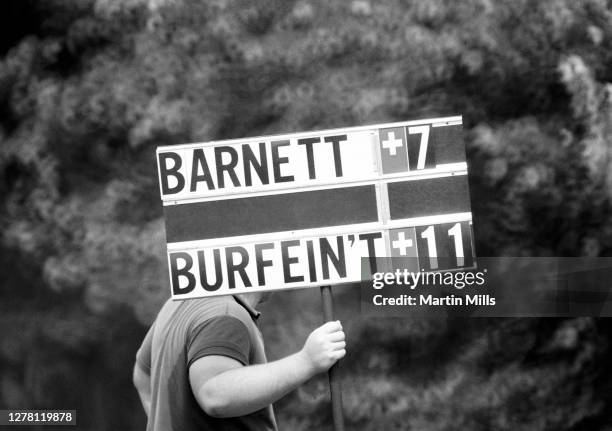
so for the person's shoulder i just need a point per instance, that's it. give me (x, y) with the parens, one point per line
(220, 318)
(205, 309)
(234, 309)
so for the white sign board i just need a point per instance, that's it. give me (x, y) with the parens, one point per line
(303, 209)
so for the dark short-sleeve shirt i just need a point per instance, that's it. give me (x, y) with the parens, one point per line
(183, 332)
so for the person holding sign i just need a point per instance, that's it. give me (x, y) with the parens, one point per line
(202, 365)
(287, 211)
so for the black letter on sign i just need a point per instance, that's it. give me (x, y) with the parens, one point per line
(261, 165)
(335, 140)
(338, 261)
(312, 270)
(218, 276)
(277, 161)
(176, 273)
(287, 261)
(237, 267)
(370, 237)
(310, 154)
(200, 161)
(261, 263)
(230, 167)
(165, 172)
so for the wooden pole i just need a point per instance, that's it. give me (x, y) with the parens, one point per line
(334, 378)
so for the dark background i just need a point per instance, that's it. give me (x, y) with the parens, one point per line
(89, 89)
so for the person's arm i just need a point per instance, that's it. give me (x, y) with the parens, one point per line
(224, 387)
(142, 369)
(142, 382)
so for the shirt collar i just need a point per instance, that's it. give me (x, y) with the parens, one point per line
(254, 313)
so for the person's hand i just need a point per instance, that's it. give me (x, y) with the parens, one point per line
(324, 346)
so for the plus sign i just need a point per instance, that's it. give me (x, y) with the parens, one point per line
(402, 244)
(392, 143)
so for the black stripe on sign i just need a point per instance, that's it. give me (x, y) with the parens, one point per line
(448, 143)
(271, 213)
(418, 198)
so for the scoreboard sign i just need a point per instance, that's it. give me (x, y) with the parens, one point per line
(302, 209)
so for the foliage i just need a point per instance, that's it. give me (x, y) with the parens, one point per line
(88, 89)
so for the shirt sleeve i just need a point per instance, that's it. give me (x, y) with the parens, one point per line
(221, 335)
(143, 356)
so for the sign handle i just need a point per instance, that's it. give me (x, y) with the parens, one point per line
(334, 378)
